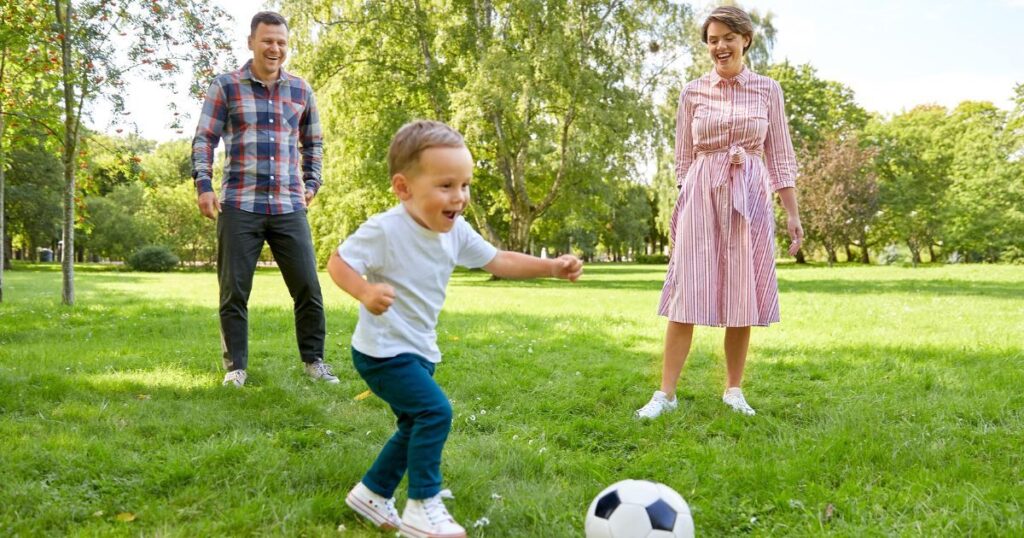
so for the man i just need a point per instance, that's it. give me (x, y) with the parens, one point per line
(268, 118)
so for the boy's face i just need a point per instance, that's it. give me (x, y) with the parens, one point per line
(436, 190)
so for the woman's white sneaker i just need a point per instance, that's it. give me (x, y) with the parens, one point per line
(376, 508)
(428, 518)
(659, 404)
(733, 397)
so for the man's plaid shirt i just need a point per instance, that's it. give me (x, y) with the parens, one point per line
(265, 129)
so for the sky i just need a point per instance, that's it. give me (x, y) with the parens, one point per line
(894, 54)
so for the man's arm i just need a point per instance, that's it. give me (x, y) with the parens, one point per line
(208, 133)
(507, 264)
(311, 147)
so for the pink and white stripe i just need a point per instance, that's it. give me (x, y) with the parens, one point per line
(722, 268)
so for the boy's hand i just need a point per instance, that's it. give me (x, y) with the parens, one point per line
(378, 298)
(568, 267)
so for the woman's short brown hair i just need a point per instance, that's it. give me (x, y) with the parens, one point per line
(416, 136)
(735, 18)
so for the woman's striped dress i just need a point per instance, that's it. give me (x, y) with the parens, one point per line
(732, 150)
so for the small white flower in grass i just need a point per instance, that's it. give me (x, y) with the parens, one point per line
(329, 432)
(482, 522)
(531, 442)
(515, 437)
(529, 349)
(794, 503)
(753, 520)
(578, 372)
(483, 411)
(496, 496)
(472, 418)
(542, 450)
(367, 433)
(341, 528)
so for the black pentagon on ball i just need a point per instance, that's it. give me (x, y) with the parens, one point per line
(663, 516)
(607, 504)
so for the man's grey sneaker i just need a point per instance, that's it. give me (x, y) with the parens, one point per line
(235, 378)
(376, 508)
(659, 404)
(320, 371)
(733, 397)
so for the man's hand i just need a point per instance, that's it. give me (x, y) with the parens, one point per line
(209, 205)
(568, 267)
(378, 298)
(310, 194)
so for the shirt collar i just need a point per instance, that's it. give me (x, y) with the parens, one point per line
(246, 71)
(740, 79)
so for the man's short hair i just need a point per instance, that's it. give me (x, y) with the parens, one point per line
(266, 17)
(416, 136)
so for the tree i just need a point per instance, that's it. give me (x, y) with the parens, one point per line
(25, 62)
(913, 164)
(840, 194)
(159, 37)
(982, 174)
(115, 223)
(549, 93)
(817, 110)
(33, 201)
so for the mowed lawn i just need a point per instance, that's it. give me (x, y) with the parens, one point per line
(889, 403)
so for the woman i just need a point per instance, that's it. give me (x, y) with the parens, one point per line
(732, 146)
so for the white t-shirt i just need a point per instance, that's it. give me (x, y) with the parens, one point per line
(393, 248)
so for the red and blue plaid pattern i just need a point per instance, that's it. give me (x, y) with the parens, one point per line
(265, 129)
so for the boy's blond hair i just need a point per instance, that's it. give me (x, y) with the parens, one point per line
(416, 136)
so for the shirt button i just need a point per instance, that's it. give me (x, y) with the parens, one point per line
(271, 177)
(271, 121)
(271, 139)
(271, 157)
(271, 103)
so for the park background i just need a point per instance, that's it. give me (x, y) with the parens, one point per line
(888, 398)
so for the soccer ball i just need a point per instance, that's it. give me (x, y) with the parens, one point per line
(639, 509)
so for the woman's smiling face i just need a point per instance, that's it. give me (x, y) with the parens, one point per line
(726, 49)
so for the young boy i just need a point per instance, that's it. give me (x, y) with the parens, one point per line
(408, 254)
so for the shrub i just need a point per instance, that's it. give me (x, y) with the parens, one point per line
(153, 259)
(1012, 254)
(652, 258)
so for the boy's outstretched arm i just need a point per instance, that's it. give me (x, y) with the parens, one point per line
(507, 264)
(377, 298)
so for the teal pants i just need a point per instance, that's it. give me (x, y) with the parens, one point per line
(406, 383)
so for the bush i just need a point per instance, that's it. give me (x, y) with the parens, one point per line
(153, 259)
(1013, 254)
(652, 259)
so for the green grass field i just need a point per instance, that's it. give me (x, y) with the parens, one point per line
(889, 403)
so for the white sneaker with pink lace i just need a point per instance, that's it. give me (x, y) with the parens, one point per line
(378, 509)
(428, 518)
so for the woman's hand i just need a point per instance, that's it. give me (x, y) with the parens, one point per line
(796, 234)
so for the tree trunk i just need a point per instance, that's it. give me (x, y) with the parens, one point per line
(849, 253)
(800, 257)
(864, 255)
(931, 253)
(832, 258)
(4, 262)
(915, 253)
(64, 14)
